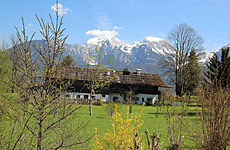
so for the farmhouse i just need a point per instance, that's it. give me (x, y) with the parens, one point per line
(145, 86)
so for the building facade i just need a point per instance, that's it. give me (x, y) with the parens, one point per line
(144, 87)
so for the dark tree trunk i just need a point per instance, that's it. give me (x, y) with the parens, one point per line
(40, 134)
(130, 108)
(90, 107)
(91, 103)
(157, 111)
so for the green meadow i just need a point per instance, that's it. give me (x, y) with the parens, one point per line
(102, 121)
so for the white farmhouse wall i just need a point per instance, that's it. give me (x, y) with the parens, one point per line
(142, 97)
(113, 95)
(106, 98)
(155, 99)
(74, 95)
(71, 95)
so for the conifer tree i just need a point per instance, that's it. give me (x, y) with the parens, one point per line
(225, 67)
(67, 61)
(218, 69)
(193, 73)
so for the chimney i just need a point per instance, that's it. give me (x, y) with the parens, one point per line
(138, 71)
(126, 71)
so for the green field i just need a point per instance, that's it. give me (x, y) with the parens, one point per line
(102, 121)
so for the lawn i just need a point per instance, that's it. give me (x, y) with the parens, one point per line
(102, 121)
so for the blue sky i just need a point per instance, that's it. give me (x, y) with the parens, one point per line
(128, 20)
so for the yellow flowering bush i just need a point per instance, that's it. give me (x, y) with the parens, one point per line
(121, 137)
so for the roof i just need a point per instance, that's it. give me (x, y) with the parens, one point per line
(116, 76)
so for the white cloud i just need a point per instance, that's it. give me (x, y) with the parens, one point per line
(102, 33)
(117, 28)
(61, 9)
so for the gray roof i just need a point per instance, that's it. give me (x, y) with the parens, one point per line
(116, 76)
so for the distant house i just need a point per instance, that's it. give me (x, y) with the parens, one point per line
(145, 85)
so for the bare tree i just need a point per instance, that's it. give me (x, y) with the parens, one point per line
(130, 95)
(153, 140)
(183, 39)
(39, 110)
(100, 75)
(175, 120)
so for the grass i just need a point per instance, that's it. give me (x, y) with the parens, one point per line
(102, 121)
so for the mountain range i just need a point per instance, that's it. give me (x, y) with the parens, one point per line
(146, 54)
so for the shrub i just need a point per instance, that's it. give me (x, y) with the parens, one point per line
(86, 101)
(99, 102)
(153, 140)
(122, 134)
(110, 107)
(175, 120)
(213, 131)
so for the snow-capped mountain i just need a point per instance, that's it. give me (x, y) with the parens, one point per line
(204, 57)
(113, 41)
(146, 54)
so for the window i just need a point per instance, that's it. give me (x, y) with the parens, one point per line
(86, 96)
(143, 99)
(115, 98)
